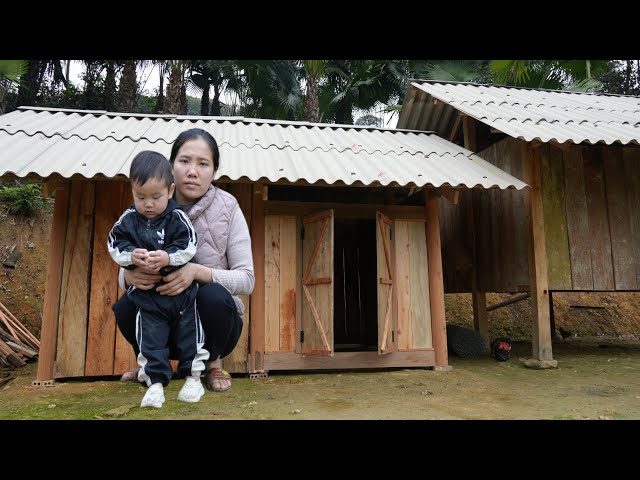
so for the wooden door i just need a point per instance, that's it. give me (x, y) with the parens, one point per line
(386, 327)
(316, 336)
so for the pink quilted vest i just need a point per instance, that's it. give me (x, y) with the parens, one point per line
(211, 217)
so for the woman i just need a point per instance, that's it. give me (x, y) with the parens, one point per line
(223, 263)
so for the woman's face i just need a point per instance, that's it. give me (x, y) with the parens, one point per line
(193, 170)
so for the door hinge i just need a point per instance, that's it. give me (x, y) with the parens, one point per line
(302, 233)
(301, 336)
(393, 336)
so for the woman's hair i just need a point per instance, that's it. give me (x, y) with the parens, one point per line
(192, 134)
(148, 164)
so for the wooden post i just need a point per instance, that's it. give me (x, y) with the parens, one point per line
(538, 278)
(436, 281)
(478, 298)
(256, 323)
(50, 310)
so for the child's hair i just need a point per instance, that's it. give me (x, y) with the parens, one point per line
(148, 164)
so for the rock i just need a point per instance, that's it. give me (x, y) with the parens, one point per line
(118, 412)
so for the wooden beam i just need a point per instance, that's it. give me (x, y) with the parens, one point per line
(509, 301)
(538, 277)
(48, 187)
(452, 195)
(456, 126)
(49, 331)
(257, 323)
(343, 210)
(469, 132)
(348, 360)
(436, 281)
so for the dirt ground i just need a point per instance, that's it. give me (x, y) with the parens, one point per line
(596, 379)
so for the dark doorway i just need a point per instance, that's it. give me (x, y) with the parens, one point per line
(355, 295)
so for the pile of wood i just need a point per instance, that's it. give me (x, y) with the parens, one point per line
(17, 344)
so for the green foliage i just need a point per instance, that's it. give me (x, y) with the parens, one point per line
(24, 199)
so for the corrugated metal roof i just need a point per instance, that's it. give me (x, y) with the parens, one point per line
(528, 114)
(48, 141)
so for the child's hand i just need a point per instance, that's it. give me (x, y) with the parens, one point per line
(157, 259)
(139, 257)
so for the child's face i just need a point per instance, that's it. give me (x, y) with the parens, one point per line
(151, 198)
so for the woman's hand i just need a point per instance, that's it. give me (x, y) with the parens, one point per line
(178, 281)
(141, 278)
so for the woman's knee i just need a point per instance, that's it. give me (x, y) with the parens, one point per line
(213, 297)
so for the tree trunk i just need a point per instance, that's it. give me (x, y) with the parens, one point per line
(204, 101)
(160, 101)
(312, 101)
(28, 91)
(127, 93)
(109, 96)
(215, 103)
(175, 103)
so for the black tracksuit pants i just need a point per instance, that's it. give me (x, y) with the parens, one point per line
(218, 315)
(160, 321)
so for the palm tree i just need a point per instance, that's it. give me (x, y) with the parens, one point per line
(128, 88)
(176, 100)
(10, 72)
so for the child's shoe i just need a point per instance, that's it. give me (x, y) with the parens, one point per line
(154, 396)
(191, 391)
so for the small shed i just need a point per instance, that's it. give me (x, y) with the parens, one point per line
(578, 224)
(343, 219)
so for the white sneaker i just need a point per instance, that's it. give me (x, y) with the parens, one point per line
(154, 396)
(192, 390)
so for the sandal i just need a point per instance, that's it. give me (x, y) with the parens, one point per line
(216, 373)
(130, 376)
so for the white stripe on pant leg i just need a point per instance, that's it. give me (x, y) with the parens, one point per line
(202, 355)
(142, 360)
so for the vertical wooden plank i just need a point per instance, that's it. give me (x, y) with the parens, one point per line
(520, 213)
(555, 218)
(622, 252)
(236, 361)
(419, 282)
(631, 161)
(505, 254)
(50, 309)
(288, 242)
(272, 283)
(125, 358)
(101, 331)
(601, 261)
(256, 333)
(577, 220)
(385, 284)
(478, 297)
(300, 266)
(403, 262)
(538, 277)
(436, 286)
(74, 310)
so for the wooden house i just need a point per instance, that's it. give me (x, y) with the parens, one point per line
(578, 224)
(343, 219)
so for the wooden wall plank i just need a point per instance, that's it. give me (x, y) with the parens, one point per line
(51, 305)
(236, 361)
(622, 252)
(272, 283)
(101, 331)
(601, 261)
(555, 218)
(631, 161)
(419, 284)
(403, 262)
(288, 240)
(505, 254)
(125, 358)
(577, 220)
(520, 215)
(74, 311)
